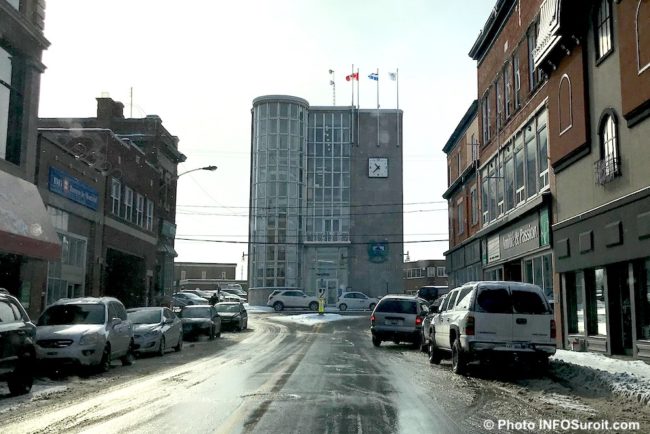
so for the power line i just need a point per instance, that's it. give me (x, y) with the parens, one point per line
(355, 235)
(309, 216)
(300, 244)
(300, 207)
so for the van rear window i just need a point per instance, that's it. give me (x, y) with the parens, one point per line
(494, 300)
(527, 302)
(397, 306)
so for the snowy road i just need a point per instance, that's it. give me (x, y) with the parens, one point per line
(298, 377)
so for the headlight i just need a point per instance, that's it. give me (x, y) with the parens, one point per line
(152, 334)
(89, 339)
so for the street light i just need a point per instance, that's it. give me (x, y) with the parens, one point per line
(209, 168)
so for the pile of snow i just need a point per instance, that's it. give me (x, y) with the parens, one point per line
(593, 371)
(257, 309)
(312, 318)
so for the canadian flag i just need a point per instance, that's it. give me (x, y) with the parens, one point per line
(354, 76)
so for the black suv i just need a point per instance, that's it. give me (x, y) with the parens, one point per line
(17, 353)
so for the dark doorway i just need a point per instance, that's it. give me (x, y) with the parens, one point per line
(512, 271)
(620, 309)
(125, 278)
(10, 273)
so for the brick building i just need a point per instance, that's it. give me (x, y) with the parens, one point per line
(204, 275)
(112, 198)
(597, 56)
(425, 272)
(27, 238)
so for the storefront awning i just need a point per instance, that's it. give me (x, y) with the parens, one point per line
(166, 249)
(25, 226)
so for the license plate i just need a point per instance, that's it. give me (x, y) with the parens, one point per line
(52, 353)
(516, 346)
(392, 322)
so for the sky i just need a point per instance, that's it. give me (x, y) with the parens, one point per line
(199, 64)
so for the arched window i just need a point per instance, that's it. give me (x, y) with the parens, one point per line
(643, 35)
(609, 165)
(603, 27)
(565, 106)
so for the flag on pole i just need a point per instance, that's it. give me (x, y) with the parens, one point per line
(354, 76)
(374, 76)
(393, 76)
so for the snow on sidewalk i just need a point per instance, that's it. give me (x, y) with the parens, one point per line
(594, 371)
(313, 318)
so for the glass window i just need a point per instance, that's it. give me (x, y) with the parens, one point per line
(531, 161)
(116, 194)
(609, 145)
(596, 308)
(461, 218)
(128, 204)
(474, 200)
(139, 212)
(149, 215)
(604, 29)
(519, 170)
(507, 89)
(11, 78)
(517, 79)
(452, 300)
(528, 302)
(509, 193)
(494, 300)
(642, 294)
(542, 147)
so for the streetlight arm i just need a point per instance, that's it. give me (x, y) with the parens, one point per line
(210, 168)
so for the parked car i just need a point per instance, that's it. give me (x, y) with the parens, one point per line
(232, 295)
(85, 331)
(427, 326)
(198, 292)
(155, 329)
(431, 293)
(489, 320)
(236, 288)
(398, 318)
(17, 352)
(200, 320)
(187, 299)
(233, 315)
(281, 298)
(355, 300)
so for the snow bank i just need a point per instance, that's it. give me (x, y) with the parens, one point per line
(257, 309)
(593, 371)
(313, 318)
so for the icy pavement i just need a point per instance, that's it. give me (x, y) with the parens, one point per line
(592, 371)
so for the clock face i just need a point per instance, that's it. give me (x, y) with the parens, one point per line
(378, 167)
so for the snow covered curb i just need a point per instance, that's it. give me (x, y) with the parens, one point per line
(594, 372)
(312, 318)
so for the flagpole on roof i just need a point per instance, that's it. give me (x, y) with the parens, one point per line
(397, 83)
(377, 107)
(333, 84)
(352, 80)
(358, 106)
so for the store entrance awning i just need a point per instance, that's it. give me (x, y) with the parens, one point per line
(25, 226)
(166, 249)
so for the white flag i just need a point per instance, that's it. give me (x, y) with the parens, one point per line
(393, 75)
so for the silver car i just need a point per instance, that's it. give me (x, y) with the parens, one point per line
(155, 329)
(85, 331)
(398, 318)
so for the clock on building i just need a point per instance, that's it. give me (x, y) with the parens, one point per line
(378, 167)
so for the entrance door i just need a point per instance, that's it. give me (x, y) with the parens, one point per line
(620, 309)
(331, 291)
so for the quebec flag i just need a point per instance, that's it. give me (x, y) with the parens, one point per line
(374, 76)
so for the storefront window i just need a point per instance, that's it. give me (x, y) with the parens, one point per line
(642, 302)
(595, 298)
(538, 271)
(575, 302)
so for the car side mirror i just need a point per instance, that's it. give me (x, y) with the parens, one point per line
(115, 321)
(169, 321)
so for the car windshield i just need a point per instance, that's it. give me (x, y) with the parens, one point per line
(68, 314)
(145, 316)
(227, 307)
(196, 312)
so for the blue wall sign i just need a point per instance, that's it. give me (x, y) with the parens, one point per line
(72, 188)
(378, 251)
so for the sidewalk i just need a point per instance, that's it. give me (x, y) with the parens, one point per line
(622, 377)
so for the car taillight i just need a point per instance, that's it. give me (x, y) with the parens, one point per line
(372, 319)
(469, 327)
(553, 329)
(418, 320)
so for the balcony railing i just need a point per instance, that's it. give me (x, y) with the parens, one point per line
(607, 169)
(549, 24)
(328, 237)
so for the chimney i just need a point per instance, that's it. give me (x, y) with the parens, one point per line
(107, 109)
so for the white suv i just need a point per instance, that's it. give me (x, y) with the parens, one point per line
(488, 320)
(281, 298)
(356, 300)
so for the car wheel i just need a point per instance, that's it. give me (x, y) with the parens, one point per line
(376, 341)
(161, 347)
(129, 357)
(246, 324)
(21, 380)
(240, 325)
(105, 362)
(458, 362)
(434, 354)
(343, 307)
(423, 343)
(278, 306)
(313, 305)
(179, 345)
(372, 306)
(211, 335)
(218, 334)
